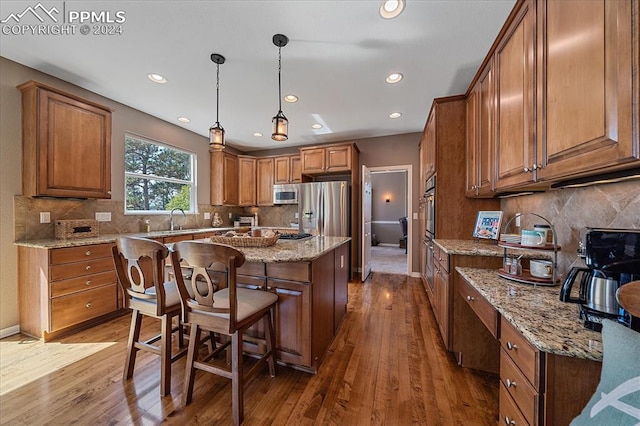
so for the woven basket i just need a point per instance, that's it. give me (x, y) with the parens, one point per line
(246, 241)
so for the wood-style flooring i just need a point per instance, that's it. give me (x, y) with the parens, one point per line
(386, 366)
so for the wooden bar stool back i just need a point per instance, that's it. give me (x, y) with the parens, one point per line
(229, 311)
(140, 269)
(628, 296)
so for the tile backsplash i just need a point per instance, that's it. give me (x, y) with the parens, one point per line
(27, 210)
(572, 210)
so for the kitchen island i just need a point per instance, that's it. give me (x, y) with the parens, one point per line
(67, 285)
(549, 363)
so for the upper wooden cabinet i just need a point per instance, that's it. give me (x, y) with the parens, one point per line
(480, 130)
(588, 87)
(287, 169)
(329, 159)
(514, 142)
(224, 179)
(246, 180)
(264, 178)
(428, 144)
(66, 144)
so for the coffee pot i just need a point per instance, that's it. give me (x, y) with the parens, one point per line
(597, 291)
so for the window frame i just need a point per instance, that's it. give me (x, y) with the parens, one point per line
(193, 209)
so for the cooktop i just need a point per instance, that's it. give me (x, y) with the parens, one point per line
(292, 236)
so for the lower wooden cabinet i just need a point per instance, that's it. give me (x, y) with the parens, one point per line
(65, 289)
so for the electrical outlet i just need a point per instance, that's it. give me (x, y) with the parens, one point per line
(518, 216)
(103, 216)
(230, 215)
(296, 216)
(415, 216)
(45, 217)
(207, 215)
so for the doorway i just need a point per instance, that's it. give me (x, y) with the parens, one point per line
(390, 201)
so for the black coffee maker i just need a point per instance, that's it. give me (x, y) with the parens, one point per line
(612, 257)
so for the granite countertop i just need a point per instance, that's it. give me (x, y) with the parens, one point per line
(282, 251)
(547, 323)
(486, 248)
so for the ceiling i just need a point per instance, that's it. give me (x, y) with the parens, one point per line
(338, 56)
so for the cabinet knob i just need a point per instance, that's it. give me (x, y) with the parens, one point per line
(540, 166)
(510, 383)
(88, 267)
(88, 282)
(526, 170)
(511, 346)
(470, 298)
(88, 305)
(88, 252)
(508, 421)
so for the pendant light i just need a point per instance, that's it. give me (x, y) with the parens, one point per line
(216, 132)
(280, 122)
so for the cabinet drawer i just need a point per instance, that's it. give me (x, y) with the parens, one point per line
(77, 254)
(442, 258)
(509, 412)
(78, 269)
(82, 306)
(525, 356)
(483, 309)
(524, 395)
(252, 268)
(74, 285)
(177, 238)
(300, 271)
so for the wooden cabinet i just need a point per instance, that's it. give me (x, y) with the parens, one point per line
(441, 293)
(341, 281)
(246, 180)
(287, 169)
(428, 142)
(224, 178)
(264, 180)
(65, 289)
(66, 143)
(480, 121)
(329, 159)
(588, 87)
(514, 140)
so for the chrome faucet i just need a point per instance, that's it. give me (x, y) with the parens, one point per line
(171, 224)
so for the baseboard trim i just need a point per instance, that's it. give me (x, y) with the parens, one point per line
(9, 331)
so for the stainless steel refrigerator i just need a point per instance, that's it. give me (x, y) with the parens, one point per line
(323, 208)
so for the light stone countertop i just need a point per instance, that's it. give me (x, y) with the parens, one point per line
(486, 248)
(547, 323)
(282, 251)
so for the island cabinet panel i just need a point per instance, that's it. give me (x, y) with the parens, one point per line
(323, 307)
(66, 144)
(588, 94)
(65, 289)
(265, 181)
(296, 271)
(292, 321)
(341, 282)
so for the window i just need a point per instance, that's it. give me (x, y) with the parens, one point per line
(158, 178)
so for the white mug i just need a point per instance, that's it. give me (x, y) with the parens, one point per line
(533, 238)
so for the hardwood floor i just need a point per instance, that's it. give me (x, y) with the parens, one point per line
(386, 366)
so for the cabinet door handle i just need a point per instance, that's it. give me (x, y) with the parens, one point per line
(88, 267)
(470, 298)
(88, 305)
(510, 383)
(88, 282)
(88, 252)
(511, 346)
(508, 421)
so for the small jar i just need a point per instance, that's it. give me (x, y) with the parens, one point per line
(507, 264)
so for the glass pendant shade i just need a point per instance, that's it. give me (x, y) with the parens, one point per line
(280, 127)
(216, 136)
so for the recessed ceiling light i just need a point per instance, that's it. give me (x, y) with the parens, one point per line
(156, 78)
(316, 126)
(291, 98)
(395, 115)
(257, 134)
(394, 78)
(391, 8)
(184, 120)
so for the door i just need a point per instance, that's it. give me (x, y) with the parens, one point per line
(366, 222)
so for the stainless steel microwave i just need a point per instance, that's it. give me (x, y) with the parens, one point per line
(285, 194)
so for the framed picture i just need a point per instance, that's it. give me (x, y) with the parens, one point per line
(488, 225)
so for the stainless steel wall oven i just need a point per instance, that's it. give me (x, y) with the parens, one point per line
(430, 227)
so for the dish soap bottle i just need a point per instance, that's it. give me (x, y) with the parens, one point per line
(147, 226)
